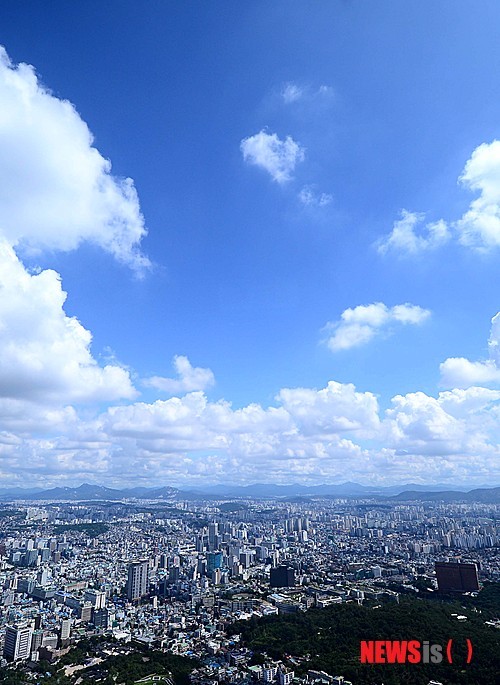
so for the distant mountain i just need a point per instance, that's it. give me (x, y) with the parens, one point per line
(162, 493)
(87, 491)
(14, 492)
(272, 490)
(481, 495)
(348, 489)
(136, 492)
(83, 492)
(406, 492)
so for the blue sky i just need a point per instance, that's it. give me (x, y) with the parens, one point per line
(298, 283)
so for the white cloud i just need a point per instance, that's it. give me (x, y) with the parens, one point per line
(478, 228)
(463, 403)
(418, 422)
(480, 225)
(309, 433)
(22, 418)
(45, 353)
(461, 422)
(312, 435)
(310, 198)
(359, 325)
(494, 340)
(291, 92)
(461, 373)
(336, 432)
(334, 409)
(190, 378)
(278, 157)
(408, 237)
(56, 189)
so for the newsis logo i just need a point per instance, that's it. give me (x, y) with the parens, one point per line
(408, 652)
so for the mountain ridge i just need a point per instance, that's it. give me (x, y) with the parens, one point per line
(404, 492)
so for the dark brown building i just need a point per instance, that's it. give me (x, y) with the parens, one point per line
(454, 576)
(282, 576)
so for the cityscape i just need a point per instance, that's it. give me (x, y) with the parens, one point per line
(180, 576)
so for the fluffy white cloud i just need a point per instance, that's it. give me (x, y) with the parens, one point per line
(332, 410)
(461, 422)
(190, 378)
(464, 403)
(45, 353)
(480, 225)
(56, 189)
(336, 432)
(193, 420)
(478, 228)
(21, 418)
(308, 434)
(461, 373)
(409, 235)
(310, 198)
(359, 325)
(278, 157)
(418, 421)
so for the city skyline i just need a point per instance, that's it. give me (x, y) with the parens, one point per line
(189, 578)
(257, 245)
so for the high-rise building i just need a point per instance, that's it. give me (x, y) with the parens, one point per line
(269, 672)
(285, 677)
(30, 558)
(214, 560)
(8, 597)
(282, 576)
(25, 585)
(213, 536)
(246, 558)
(85, 612)
(36, 640)
(174, 574)
(454, 576)
(17, 643)
(42, 577)
(137, 583)
(97, 598)
(100, 618)
(65, 629)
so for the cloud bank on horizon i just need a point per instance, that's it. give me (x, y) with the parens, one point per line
(65, 418)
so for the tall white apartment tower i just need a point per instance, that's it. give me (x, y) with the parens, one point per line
(17, 642)
(65, 629)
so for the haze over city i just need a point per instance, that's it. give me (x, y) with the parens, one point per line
(249, 244)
